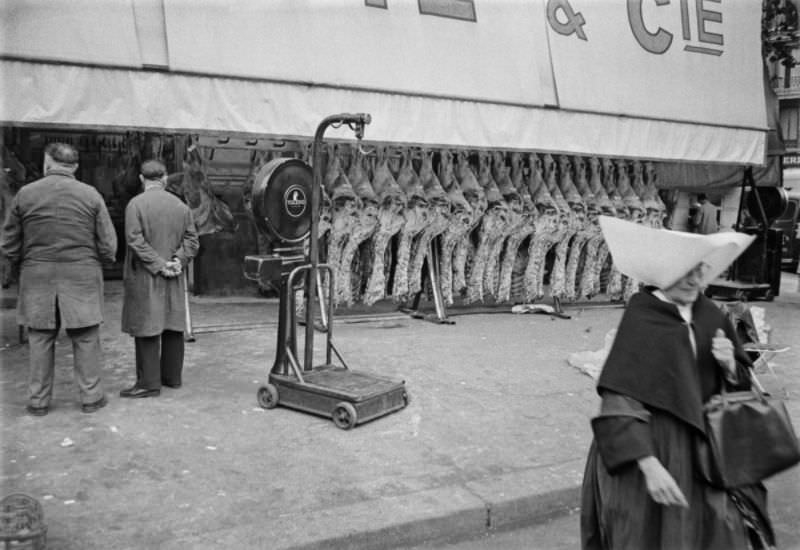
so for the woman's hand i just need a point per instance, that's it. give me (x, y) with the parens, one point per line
(722, 350)
(661, 486)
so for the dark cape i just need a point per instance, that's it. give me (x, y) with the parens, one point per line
(652, 360)
(652, 367)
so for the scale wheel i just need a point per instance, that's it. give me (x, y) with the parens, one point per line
(344, 415)
(406, 399)
(267, 396)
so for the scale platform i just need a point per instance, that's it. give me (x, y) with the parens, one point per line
(347, 397)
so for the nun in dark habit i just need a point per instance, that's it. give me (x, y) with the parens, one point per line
(673, 350)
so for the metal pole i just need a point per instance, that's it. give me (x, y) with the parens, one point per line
(765, 231)
(433, 276)
(359, 119)
(189, 335)
(741, 204)
(323, 309)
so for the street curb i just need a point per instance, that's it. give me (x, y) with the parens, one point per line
(476, 509)
(462, 525)
(440, 515)
(511, 501)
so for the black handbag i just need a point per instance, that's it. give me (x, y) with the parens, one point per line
(749, 437)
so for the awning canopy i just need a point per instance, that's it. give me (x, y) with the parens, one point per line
(696, 177)
(578, 77)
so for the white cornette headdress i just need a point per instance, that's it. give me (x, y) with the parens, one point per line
(660, 257)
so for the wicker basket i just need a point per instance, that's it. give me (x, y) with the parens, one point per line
(22, 523)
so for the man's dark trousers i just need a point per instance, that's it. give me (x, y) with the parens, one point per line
(159, 360)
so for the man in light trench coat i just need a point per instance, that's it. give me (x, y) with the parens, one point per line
(59, 233)
(161, 240)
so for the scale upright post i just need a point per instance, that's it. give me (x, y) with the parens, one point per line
(356, 122)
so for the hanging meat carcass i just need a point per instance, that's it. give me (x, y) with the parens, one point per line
(618, 284)
(417, 217)
(459, 226)
(525, 228)
(211, 214)
(637, 184)
(655, 207)
(391, 219)
(628, 193)
(325, 220)
(439, 208)
(576, 217)
(344, 215)
(546, 223)
(473, 191)
(595, 250)
(493, 224)
(588, 227)
(620, 210)
(125, 185)
(257, 160)
(604, 261)
(513, 221)
(633, 198)
(366, 222)
(615, 282)
(549, 231)
(332, 170)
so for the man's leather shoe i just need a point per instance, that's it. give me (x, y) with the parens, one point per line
(92, 407)
(173, 385)
(136, 391)
(36, 411)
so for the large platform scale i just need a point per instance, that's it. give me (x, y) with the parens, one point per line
(281, 209)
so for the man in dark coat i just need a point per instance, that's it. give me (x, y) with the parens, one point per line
(161, 240)
(674, 349)
(59, 233)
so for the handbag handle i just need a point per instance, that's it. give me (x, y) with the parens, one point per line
(755, 387)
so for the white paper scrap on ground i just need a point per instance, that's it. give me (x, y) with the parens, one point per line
(532, 308)
(591, 362)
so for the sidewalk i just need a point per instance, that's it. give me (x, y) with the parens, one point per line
(495, 435)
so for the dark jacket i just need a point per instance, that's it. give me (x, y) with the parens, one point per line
(59, 233)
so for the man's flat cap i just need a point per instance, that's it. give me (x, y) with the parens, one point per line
(153, 169)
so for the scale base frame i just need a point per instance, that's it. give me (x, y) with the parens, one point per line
(347, 397)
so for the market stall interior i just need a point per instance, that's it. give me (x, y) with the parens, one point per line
(459, 229)
(286, 203)
(433, 232)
